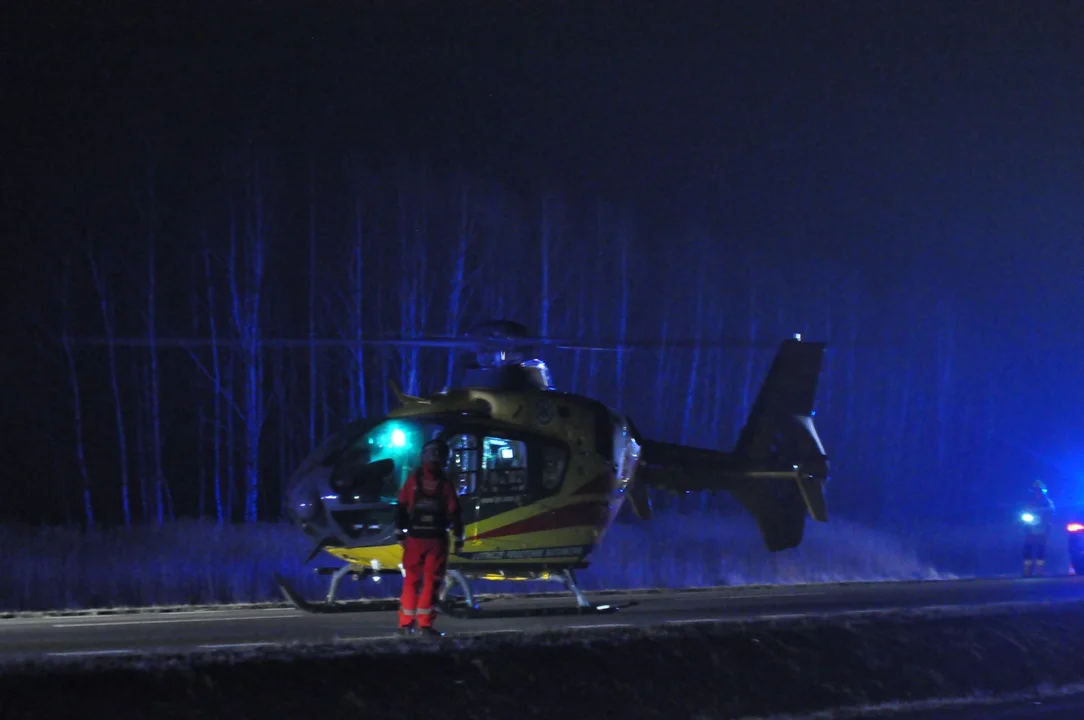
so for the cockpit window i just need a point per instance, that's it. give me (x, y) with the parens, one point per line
(397, 440)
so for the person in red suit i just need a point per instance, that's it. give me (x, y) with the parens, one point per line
(428, 507)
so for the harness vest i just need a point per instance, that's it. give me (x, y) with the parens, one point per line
(429, 513)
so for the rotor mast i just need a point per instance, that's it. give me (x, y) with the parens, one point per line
(505, 359)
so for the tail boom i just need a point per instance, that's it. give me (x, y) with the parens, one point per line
(778, 467)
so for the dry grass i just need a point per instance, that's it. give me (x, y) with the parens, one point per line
(200, 563)
(729, 669)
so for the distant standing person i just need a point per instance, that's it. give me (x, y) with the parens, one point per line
(428, 507)
(1038, 520)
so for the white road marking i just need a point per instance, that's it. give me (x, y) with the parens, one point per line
(695, 621)
(782, 616)
(509, 631)
(76, 653)
(773, 595)
(599, 625)
(235, 646)
(472, 633)
(171, 621)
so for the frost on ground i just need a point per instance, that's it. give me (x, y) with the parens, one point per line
(200, 563)
(973, 702)
(729, 669)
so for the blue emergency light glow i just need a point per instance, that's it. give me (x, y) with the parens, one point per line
(399, 441)
(1028, 518)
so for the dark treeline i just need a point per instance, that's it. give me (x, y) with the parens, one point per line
(272, 248)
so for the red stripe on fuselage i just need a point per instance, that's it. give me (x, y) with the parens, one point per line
(589, 513)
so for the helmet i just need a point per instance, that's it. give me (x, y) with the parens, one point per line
(440, 446)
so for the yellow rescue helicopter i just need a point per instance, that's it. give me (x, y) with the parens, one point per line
(542, 473)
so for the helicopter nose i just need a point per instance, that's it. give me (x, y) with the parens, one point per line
(305, 509)
(304, 502)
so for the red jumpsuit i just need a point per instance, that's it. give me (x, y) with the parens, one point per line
(427, 506)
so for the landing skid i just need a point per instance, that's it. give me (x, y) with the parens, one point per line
(330, 604)
(466, 606)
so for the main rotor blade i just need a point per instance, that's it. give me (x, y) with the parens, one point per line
(432, 342)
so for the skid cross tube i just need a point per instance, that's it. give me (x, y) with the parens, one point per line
(337, 578)
(569, 578)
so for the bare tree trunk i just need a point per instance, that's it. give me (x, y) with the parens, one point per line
(77, 402)
(622, 313)
(201, 420)
(828, 374)
(750, 355)
(118, 403)
(854, 301)
(283, 430)
(661, 374)
(690, 393)
(581, 326)
(598, 295)
(312, 315)
(231, 438)
(142, 420)
(989, 430)
(945, 353)
(422, 287)
(246, 318)
(458, 288)
(407, 298)
(722, 365)
(546, 241)
(216, 367)
(152, 341)
(325, 405)
(900, 424)
(385, 370)
(201, 452)
(359, 407)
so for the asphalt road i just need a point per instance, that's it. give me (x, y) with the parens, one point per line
(238, 628)
(1070, 707)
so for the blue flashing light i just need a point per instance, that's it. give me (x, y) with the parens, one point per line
(398, 438)
(1028, 518)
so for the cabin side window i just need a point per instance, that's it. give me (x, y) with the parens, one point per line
(554, 461)
(463, 462)
(504, 466)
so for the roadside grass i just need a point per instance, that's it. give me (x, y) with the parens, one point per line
(193, 562)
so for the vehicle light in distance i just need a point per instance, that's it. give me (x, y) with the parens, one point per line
(1074, 527)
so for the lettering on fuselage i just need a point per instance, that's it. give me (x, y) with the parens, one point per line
(501, 499)
(574, 551)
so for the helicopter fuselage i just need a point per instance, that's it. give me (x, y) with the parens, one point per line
(540, 475)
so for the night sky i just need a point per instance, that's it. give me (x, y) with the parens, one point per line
(932, 142)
